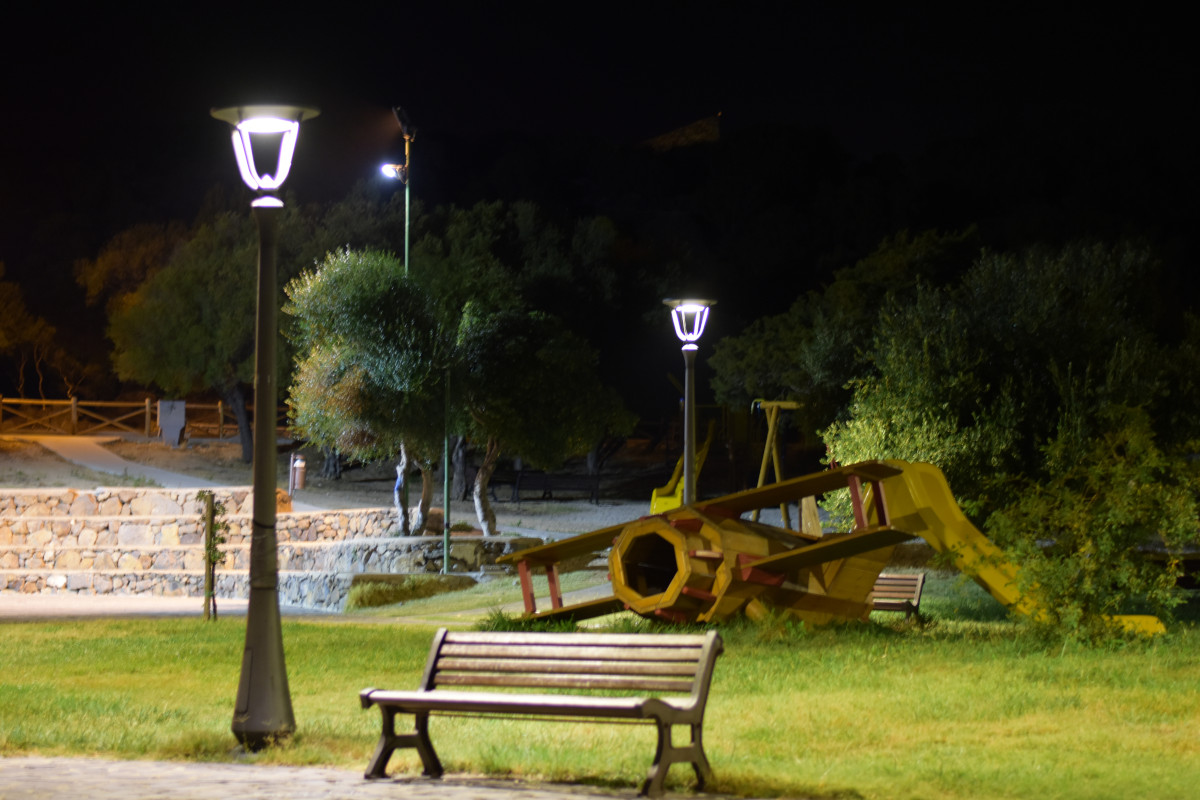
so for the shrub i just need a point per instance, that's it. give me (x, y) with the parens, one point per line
(1103, 535)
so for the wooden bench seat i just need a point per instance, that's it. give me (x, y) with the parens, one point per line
(589, 668)
(898, 592)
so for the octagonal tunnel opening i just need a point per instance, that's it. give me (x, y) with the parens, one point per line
(649, 564)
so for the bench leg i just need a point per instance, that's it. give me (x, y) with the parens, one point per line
(666, 754)
(390, 742)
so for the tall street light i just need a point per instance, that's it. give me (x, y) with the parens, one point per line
(689, 317)
(263, 713)
(401, 173)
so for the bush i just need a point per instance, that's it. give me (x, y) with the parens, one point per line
(371, 591)
(1103, 536)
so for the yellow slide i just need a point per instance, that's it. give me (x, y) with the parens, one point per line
(919, 501)
(669, 497)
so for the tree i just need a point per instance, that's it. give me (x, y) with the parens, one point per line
(812, 351)
(24, 336)
(377, 346)
(505, 280)
(127, 260)
(370, 366)
(190, 326)
(529, 387)
(1041, 386)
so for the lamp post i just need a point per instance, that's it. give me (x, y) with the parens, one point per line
(263, 712)
(401, 173)
(689, 317)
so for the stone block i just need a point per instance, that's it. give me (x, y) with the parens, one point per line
(168, 535)
(84, 506)
(154, 505)
(131, 535)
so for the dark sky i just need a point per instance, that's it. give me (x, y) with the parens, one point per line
(107, 108)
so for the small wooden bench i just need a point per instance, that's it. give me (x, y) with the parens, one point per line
(898, 592)
(548, 483)
(601, 671)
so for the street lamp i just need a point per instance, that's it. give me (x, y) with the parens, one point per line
(689, 317)
(263, 712)
(401, 173)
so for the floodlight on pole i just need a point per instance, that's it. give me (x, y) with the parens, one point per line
(689, 317)
(263, 711)
(401, 173)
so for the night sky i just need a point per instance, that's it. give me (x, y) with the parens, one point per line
(107, 110)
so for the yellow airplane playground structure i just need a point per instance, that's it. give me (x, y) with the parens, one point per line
(705, 563)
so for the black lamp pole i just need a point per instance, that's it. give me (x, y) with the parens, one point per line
(263, 713)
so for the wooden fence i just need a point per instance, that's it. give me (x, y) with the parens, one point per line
(75, 417)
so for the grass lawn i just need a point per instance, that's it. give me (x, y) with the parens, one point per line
(966, 707)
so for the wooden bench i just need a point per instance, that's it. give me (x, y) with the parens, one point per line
(547, 483)
(898, 592)
(590, 676)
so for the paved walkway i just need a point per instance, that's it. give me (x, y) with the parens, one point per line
(38, 778)
(88, 451)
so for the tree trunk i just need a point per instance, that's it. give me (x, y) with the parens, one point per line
(399, 491)
(458, 478)
(331, 467)
(237, 401)
(483, 506)
(427, 481)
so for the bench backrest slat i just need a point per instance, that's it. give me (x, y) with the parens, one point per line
(574, 682)
(577, 667)
(572, 652)
(559, 639)
(659, 663)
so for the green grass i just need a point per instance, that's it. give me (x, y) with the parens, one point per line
(968, 706)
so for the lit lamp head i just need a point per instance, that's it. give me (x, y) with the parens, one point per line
(397, 172)
(263, 125)
(690, 317)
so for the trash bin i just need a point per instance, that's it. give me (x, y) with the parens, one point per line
(296, 473)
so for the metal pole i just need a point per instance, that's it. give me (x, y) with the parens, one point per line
(446, 484)
(264, 705)
(407, 180)
(404, 478)
(689, 425)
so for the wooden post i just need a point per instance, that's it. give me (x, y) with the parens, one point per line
(220, 420)
(149, 430)
(74, 415)
(210, 606)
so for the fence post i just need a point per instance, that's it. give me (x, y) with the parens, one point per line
(74, 415)
(220, 420)
(148, 428)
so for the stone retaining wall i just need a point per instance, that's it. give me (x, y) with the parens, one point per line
(60, 540)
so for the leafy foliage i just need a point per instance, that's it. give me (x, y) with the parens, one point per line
(811, 351)
(1035, 383)
(476, 308)
(1106, 528)
(369, 373)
